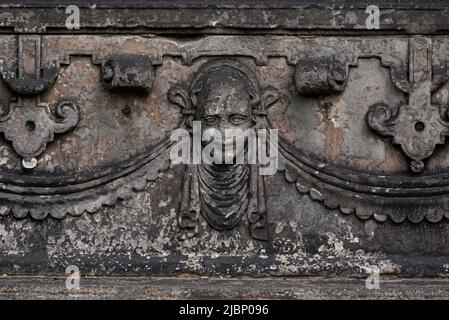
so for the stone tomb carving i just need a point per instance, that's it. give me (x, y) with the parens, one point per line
(85, 166)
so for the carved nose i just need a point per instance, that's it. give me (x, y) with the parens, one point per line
(224, 124)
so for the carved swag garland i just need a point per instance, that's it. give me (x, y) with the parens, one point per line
(224, 94)
(224, 194)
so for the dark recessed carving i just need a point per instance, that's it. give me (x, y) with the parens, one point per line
(29, 86)
(30, 78)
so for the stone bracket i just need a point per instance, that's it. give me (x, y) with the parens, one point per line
(128, 73)
(418, 125)
(29, 124)
(320, 76)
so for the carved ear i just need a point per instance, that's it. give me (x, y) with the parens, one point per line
(268, 98)
(180, 96)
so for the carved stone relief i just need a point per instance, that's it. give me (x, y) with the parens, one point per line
(224, 95)
(128, 73)
(27, 122)
(417, 126)
(119, 110)
(312, 76)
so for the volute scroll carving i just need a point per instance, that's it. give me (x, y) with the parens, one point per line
(26, 121)
(320, 76)
(417, 126)
(30, 125)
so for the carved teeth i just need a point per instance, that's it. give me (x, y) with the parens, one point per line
(346, 210)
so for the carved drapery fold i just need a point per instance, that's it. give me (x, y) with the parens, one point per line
(417, 126)
(223, 194)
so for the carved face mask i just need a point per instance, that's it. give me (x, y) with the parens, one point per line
(224, 95)
(225, 104)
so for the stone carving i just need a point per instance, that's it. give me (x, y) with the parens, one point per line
(128, 73)
(31, 78)
(418, 125)
(320, 76)
(29, 86)
(368, 196)
(224, 94)
(59, 196)
(334, 186)
(28, 123)
(367, 211)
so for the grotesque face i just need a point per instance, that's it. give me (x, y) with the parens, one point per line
(224, 103)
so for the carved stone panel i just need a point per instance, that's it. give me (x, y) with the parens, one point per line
(358, 121)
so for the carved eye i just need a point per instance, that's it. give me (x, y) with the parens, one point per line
(210, 120)
(238, 119)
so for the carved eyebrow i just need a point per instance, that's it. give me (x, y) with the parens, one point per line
(215, 99)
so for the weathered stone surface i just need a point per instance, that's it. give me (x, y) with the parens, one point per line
(40, 288)
(85, 171)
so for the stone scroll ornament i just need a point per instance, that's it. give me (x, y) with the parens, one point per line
(26, 121)
(223, 94)
(30, 125)
(417, 126)
(320, 76)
